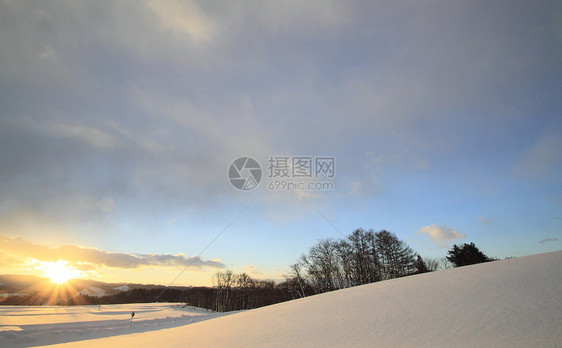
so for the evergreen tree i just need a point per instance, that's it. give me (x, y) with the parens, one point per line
(468, 254)
(421, 267)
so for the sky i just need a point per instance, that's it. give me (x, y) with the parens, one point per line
(120, 123)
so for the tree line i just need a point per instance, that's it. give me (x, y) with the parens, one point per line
(240, 291)
(363, 257)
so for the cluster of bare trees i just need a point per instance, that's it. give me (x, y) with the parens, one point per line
(240, 291)
(363, 257)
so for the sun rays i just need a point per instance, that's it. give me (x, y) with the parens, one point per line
(60, 271)
(58, 288)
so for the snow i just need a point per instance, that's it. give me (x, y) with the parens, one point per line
(122, 288)
(24, 326)
(10, 328)
(92, 291)
(508, 303)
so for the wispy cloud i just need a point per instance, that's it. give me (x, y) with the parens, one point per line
(252, 271)
(546, 240)
(541, 158)
(355, 187)
(484, 220)
(93, 136)
(184, 18)
(20, 250)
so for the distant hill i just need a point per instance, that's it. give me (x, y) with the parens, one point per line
(34, 290)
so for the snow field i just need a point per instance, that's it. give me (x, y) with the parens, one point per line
(23, 326)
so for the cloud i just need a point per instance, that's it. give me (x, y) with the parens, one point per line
(439, 234)
(252, 271)
(19, 249)
(184, 18)
(484, 220)
(93, 136)
(541, 158)
(355, 187)
(546, 240)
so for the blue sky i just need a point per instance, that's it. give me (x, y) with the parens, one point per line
(119, 121)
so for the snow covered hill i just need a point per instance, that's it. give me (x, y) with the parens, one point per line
(122, 288)
(509, 303)
(92, 291)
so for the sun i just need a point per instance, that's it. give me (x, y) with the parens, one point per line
(60, 271)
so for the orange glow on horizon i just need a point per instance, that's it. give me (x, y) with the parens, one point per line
(58, 272)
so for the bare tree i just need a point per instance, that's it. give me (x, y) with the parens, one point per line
(363, 257)
(322, 266)
(362, 265)
(297, 274)
(432, 264)
(444, 263)
(223, 298)
(397, 258)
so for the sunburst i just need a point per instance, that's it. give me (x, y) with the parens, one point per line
(59, 272)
